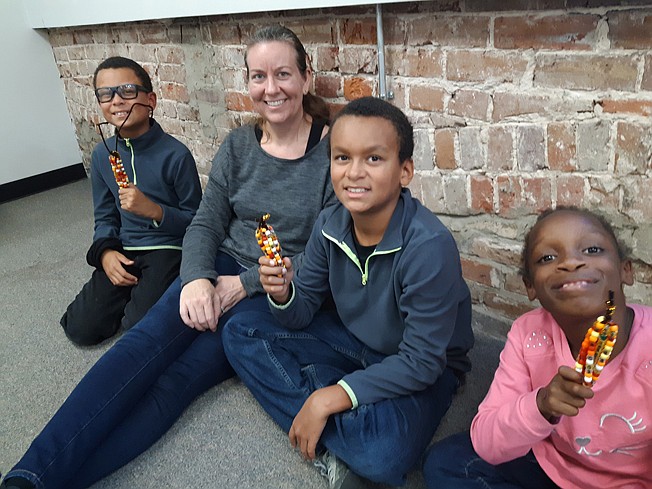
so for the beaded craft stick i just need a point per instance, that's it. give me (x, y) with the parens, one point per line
(268, 241)
(597, 345)
(119, 172)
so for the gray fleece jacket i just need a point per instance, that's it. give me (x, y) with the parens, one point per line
(244, 183)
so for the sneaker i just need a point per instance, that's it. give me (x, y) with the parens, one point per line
(338, 473)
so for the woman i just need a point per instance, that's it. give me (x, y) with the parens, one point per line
(136, 391)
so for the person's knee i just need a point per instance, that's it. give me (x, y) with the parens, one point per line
(384, 461)
(80, 333)
(447, 457)
(233, 333)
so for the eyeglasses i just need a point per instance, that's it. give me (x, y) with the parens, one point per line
(127, 91)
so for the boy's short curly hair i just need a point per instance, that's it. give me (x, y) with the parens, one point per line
(375, 107)
(116, 62)
(525, 271)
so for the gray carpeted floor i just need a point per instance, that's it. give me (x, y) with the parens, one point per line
(223, 440)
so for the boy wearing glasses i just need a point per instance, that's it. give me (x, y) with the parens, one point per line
(139, 227)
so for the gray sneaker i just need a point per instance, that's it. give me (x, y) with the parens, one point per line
(338, 473)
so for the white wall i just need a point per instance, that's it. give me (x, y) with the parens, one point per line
(61, 13)
(36, 133)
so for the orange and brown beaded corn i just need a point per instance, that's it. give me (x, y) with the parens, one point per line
(118, 168)
(597, 345)
(268, 241)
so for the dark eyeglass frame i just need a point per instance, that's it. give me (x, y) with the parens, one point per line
(102, 92)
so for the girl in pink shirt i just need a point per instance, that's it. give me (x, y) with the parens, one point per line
(539, 426)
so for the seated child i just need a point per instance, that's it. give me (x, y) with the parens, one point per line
(539, 426)
(361, 390)
(139, 229)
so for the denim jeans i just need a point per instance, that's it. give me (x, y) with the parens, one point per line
(453, 463)
(379, 441)
(132, 395)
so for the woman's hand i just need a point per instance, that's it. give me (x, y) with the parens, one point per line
(276, 280)
(230, 291)
(199, 305)
(564, 395)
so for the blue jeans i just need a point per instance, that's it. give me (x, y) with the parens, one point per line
(132, 395)
(380, 441)
(452, 462)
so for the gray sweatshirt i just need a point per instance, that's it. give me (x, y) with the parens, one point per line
(244, 183)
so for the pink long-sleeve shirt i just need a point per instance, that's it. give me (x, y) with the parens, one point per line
(608, 444)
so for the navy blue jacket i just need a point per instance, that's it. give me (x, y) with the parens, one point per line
(165, 171)
(408, 301)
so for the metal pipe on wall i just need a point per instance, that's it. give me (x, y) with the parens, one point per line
(382, 82)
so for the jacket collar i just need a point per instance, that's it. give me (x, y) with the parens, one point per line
(340, 223)
(143, 141)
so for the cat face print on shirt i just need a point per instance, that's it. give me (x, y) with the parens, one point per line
(618, 425)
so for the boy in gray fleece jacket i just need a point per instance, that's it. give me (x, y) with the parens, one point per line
(361, 391)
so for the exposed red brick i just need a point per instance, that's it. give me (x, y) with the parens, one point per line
(570, 190)
(638, 107)
(530, 147)
(83, 36)
(427, 98)
(476, 272)
(170, 54)
(125, 35)
(483, 66)
(470, 103)
(636, 198)
(561, 146)
(432, 191)
(510, 104)
(509, 195)
(499, 148)
(327, 86)
(633, 148)
(361, 31)
(503, 5)
(630, 29)
(153, 34)
(482, 194)
(605, 193)
(497, 249)
(514, 283)
(172, 73)
(646, 83)
(569, 31)
(326, 59)
(445, 149)
(450, 30)
(537, 193)
(455, 194)
(591, 72)
(423, 62)
(238, 102)
(355, 88)
(358, 60)
(313, 30)
(224, 33)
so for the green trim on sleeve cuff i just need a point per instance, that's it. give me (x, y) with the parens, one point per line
(276, 305)
(350, 393)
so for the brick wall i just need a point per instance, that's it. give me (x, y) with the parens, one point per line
(518, 105)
